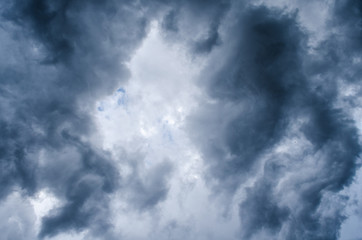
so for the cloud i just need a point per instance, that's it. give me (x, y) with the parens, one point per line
(195, 23)
(262, 101)
(150, 188)
(75, 52)
(271, 117)
(18, 218)
(348, 17)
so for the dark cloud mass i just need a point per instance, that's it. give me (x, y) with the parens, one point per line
(274, 125)
(266, 100)
(63, 56)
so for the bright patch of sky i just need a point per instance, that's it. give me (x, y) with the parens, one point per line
(147, 116)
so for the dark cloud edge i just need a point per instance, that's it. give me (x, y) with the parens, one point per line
(64, 123)
(270, 79)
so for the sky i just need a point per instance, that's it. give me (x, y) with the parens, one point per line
(189, 119)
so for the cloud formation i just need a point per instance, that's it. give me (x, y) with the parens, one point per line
(268, 121)
(260, 146)
(71, 58)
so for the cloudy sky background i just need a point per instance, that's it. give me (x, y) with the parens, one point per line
(209, 119)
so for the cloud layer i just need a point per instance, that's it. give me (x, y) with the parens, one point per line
(178, 119)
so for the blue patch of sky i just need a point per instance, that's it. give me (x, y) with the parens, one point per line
(101, 107)
(121, 90)
(122, 97)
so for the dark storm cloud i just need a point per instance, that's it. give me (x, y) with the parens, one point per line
(259, 78)
(348, 15)
(264, 97)
(63, 55)
(59, 58)
(84, 185)
(197, 22)
(216, 10)
(212, 39)
(268, 93)
(170, 21)
(261, 211)
(14, 167)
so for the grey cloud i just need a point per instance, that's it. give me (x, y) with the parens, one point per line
(266, 90)
(196, 22)
(173, 230)
(261, 211)
(61, 57)
(170, 21)
(348, 14)
(265, 97)
(144, 186)
(18, 218)
(89, 180)
(212, 40)
(15, 169)
(258, 79)
(74, 52)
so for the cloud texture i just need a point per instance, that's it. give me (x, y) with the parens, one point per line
(262, 144)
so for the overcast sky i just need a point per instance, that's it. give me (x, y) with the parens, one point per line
(189, 119)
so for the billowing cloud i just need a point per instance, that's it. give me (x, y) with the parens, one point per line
(178, 119)
(272, 131)
(71, 58)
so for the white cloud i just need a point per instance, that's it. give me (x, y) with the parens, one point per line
(147, 115)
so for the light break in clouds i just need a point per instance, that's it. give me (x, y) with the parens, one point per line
(203, 120)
